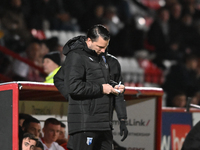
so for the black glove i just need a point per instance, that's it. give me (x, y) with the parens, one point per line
(123, 130)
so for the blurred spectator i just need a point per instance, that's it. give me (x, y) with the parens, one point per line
(175, 20)
(182, 77)
(112, 21)
(28, 142)
(190, 7)
(96, 17)
(172, 34)
(35, 52)
(195, 98)
(175, 12)
(23, 117)
(129, 40)
(51, 14)
(51, 64)
(32, 125)
(14, 23)
(165, 35)
(63, 19)
(124, 10)
(189, 35)
(179, 99)
(197, 95)
(37, 17)
(43, 51)
(62, 140)
(51, 132)
(159, 35)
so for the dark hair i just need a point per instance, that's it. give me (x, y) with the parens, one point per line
(177, 93)
(52, 121)
(30, 136)
(24, 116)
(40, 145)
(98, 30)
(27, 122)
(62, 125)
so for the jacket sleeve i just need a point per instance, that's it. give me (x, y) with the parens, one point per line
(75, 78)
(119, 102)
(59, 82)
(120, 107)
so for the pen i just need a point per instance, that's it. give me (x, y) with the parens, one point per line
(119, 84)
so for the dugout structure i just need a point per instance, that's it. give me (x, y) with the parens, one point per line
(144, 108)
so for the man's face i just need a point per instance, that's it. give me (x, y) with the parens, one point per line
(28, 144)
(99, 46)
(51, 132)
(49, 65)
(34, 128)
(179, 101)
(62, 133)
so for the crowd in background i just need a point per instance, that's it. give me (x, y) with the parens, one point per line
(33, 136)
(169, 34)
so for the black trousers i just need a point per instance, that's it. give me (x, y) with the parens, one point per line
(96, 140)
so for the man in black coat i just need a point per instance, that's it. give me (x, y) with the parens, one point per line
(90, 91)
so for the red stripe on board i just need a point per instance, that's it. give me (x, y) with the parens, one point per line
(15, 112)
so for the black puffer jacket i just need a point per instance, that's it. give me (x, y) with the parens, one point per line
(84, 72)
(115, 75)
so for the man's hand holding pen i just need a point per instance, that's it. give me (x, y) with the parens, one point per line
(120, 87)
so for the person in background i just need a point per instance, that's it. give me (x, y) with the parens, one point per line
(29, 141)
(32, 125)
(34, 52)
(182, 77)
(13, 21)
(51, 132)
(179, 99)
(62, 140)
(51, 64)
(23, 117)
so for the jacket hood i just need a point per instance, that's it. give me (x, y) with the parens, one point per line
(75, 43)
